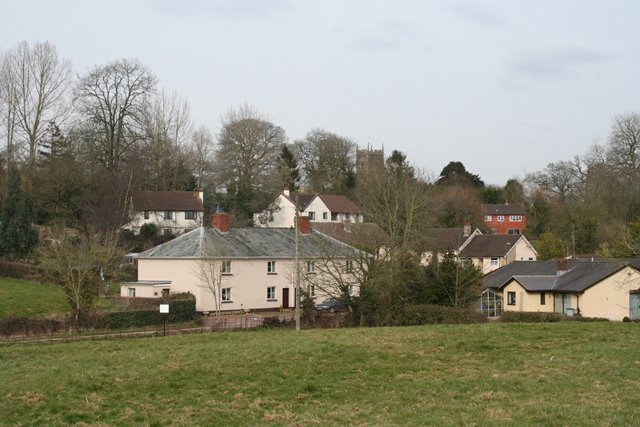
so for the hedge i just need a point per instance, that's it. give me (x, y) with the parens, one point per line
(17, 270)
(181, 310)
(435, 314)
(537, 317)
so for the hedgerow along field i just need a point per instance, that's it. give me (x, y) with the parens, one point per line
(560, 374)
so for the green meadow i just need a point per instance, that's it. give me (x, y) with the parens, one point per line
(559, 374)
(19, 298)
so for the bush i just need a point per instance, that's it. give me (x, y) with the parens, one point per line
(529, 317)
(435, 314)
(583, 319)
(23, 326)
(149, 230)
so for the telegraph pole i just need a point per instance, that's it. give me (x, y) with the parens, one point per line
(297, 266)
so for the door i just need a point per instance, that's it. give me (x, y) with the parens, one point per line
(634, 306)
(285, 298)
(557, 303)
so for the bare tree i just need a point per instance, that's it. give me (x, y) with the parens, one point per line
(78, 264)
(202, 151)
(328, 161)
(247, 156)
(111, 101)
(210, 269)
(35, 93)
(624, 144)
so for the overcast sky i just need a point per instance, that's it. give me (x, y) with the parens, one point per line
(505, 87)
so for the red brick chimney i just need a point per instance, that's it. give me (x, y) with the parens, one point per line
(304, 224)
(466, 231)
(220, 221)
(561, 266)
(287, 192)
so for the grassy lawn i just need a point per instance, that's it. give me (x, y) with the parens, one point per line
(560, 374)
(19, 298)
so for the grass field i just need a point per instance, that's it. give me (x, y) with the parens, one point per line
(27, 299)
(561, 374)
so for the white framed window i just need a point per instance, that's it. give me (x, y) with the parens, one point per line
(271, 293)
(349, 265)
(132, 292)
(325, 215)
(146, 214)
(487, 217)
(311, 266)
(513, 231)
(494, 231)
(226, 294)
(226, 267)
(511, 298)
(500, 218)
(494, 262)
(515, 218)
(312, 216)
(271, 267)
(312, 291)
(190, 215)
(168, 214)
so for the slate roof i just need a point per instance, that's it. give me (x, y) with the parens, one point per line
(167, 201)
(449, 238)
(246, 243)
(490, 245)
(353, 233)
(303, 198)
(502, 209)
(542, 275)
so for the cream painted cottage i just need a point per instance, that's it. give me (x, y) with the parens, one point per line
(608, 289)
(255, 266)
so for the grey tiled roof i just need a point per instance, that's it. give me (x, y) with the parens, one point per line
(271, 243)
(536, 275)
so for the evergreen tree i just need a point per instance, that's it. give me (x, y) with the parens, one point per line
(289, 170)
(17, 237)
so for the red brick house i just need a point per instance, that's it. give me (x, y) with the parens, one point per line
(505, 218)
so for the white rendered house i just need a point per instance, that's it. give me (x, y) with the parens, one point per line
(173, 212)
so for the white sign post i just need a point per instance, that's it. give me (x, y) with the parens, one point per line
(164, 309)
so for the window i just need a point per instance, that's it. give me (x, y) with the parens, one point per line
(325, 215)
(334, 216)
(271, 267)
(494, 231)
(349, 265)
(513, 231)
(190, 215)
(271, 293)
(165, 293)
(487, 217)
(311, 266)
(146, 214)
(226, 267)
(226, 294)
(167, 231)
(542, 301)
(511, 298)
(500, 218)
(423, 256)
(494, 262)
(132, 292)
(168, 214)
(348, 215)
(312, 291)
(515, 218)
(312, 216)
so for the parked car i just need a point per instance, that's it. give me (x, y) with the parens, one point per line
(331, 304)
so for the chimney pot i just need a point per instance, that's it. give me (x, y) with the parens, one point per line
(466, 230)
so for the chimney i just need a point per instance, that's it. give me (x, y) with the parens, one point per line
(201, 195)
(303, 224)
(287, 192)
(220, 221)
(466, 230)
(507, 202)
(561, 266)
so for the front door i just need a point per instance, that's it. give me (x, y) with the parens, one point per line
(634, 306)
(285, 298)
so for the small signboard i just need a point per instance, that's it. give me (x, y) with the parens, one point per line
(164, 308)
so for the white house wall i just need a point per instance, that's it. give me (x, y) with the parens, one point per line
(178, 224)
(283, 215)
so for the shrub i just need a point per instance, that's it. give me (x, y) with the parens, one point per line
(274, 322)
(23, 326)
(149, 230)
(583, 319)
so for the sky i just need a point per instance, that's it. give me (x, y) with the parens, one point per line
(505, 87)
